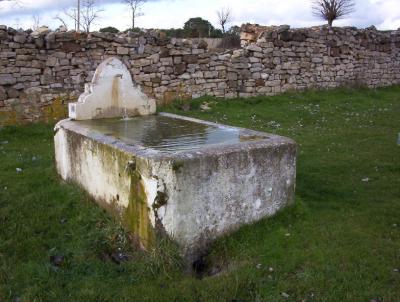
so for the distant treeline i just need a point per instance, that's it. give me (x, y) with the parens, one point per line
(193, 28)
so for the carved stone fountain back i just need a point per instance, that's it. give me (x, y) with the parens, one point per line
(111, 94)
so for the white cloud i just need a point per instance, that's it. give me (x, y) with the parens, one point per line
(385, 14)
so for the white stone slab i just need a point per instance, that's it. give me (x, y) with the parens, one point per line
(111, 93)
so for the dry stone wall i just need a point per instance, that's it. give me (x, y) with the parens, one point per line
(40, 72)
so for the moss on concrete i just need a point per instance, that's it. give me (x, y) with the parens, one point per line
(136, 217)
(177, 165)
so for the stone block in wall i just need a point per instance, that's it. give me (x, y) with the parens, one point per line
(122, 50)
(190, 59)
(255, 60)
(30, 71)
(78, 60)
(180, 68)
(28, 79)
(7, 79)
(232, 76)
(20, 38)
(305, 65)
(328, 60)
(264, 89)
(11, 102)
(3, 94)
(167, 61)
(215, 63)
(208, 85)
(50, 40)
(317, 60)
(197, 51)
(335, 51)
(270, 65)
(274, 83)
(256, 69)
(179, 52)
(156, 80)
(220, 67)
(7, 54)
(71, 47)
(240, 65)
(14, 45)
(222, 85)
(47, 79)
(150, 69)
(11, 69)
(299, 36)
(135, 71)
(59, 55)
(3, 35)
(222, 74)
(168, 70)
(64, 62)
(56, 85)
(38, 64)
(39, 42)
(155, 58)
(22, 63)
(254, 48)
(51, 61)
(244, 74)
(33, 90)
(202, 45)
(198, 74)
(141, 62)
(142, 78)
(293, 71)
(211, 74)
(185, 76)
(177, 60)
(164, 52)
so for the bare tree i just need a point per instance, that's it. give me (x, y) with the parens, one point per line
(61, 19)
(85, 16)
(224, 17)
(135, 7)
(331, 10)
(35, 21)
(89, 13)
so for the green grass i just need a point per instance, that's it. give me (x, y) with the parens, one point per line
(340, 242)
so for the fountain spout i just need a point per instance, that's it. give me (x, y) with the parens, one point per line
(111, 93)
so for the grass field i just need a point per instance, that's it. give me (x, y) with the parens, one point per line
(340, 242)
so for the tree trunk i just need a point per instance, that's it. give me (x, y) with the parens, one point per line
(133, 20)
(330, 22)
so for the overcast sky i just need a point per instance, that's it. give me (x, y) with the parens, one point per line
(384, 14)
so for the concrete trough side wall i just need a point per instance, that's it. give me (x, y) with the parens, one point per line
(217, 192)
(193, 196)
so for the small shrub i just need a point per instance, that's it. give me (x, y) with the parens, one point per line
(109, 29)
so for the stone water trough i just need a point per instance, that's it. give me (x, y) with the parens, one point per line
(168, 175)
